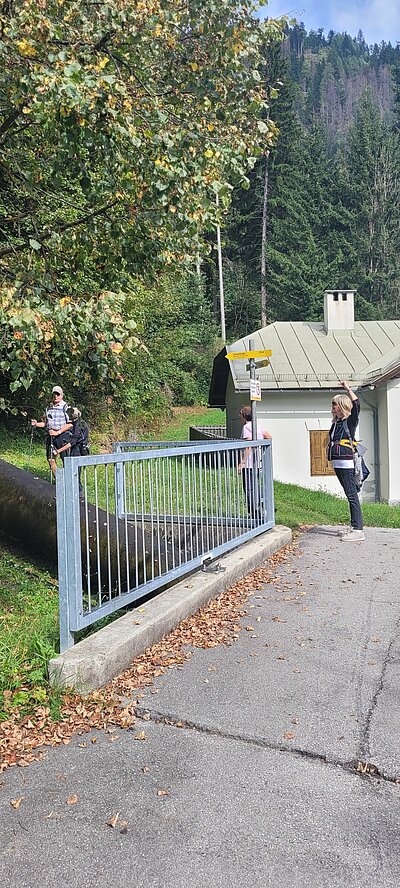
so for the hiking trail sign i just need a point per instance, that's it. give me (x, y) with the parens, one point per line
(252, 353)
(255, 385)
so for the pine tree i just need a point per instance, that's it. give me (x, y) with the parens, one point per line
(371, 181)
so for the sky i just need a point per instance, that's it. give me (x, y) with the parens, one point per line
(377, 19)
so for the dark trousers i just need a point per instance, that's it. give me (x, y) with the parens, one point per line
(346, 478)
(76, 451)
(251, 489)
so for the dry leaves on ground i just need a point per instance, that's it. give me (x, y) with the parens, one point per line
(22, 739)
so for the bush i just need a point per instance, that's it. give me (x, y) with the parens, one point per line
(71, 342)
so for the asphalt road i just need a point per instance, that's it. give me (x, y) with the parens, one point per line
(270, 763)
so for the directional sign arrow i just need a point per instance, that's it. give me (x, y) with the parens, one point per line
(257, 353)
(259, 364)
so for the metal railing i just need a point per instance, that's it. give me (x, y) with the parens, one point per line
(201, 433)
(129, 523)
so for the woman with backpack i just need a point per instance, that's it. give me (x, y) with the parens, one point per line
(345, 413)
(78, 444)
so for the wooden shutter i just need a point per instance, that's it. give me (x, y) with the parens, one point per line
(318, 461)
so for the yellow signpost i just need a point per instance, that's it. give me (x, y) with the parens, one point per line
(254, 353)
(255, 385)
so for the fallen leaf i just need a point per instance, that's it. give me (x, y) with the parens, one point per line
(15, 803)
(82, 745)
(162, 792)
(288, 735)
(72, 800)
(113, 820)
(140, 736)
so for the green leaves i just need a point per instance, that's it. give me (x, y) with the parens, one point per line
(121, 122)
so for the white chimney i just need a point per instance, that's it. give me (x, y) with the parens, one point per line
(338, 310)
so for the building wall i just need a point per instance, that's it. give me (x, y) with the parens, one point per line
(393, 434)
(289, 417)
(381, 399)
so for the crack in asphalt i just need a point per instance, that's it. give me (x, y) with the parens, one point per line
(355, 766)
(364, 745)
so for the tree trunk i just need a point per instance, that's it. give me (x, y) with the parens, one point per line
(264, 248)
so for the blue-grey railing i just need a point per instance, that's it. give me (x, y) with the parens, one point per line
(132, 521)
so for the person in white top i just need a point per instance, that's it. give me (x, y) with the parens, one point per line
(58, 423)
(246, 465)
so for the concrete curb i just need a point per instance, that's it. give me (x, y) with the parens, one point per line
(97, 659)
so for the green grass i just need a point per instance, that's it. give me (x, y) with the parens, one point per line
(25, 451)
(297, 505)
(28, 629)
(28, 593)
(177, 428)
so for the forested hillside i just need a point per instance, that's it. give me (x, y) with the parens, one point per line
(130, 132)
(332, 74)
(328, 190)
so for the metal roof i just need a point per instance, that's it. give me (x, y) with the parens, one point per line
(305, 356)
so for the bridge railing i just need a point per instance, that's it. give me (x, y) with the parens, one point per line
(133, 521)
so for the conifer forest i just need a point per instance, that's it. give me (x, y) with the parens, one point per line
(131, 134)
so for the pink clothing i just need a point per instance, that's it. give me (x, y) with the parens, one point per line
(247, 435)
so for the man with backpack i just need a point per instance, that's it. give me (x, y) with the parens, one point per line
(57, 422)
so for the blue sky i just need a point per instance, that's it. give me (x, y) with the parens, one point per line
(377, 19)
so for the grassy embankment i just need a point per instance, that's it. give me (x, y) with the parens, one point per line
(28, 593)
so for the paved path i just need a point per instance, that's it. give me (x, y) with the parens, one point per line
(248, 773)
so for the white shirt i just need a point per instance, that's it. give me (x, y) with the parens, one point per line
(247, 434)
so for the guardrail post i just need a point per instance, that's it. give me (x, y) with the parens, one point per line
(120, 505)
(72, 543)
(267, 484)
(66, 636)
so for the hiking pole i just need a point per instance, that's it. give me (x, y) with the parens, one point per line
(30, 450)
(54, 454)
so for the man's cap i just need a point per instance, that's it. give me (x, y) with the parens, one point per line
(57, 390)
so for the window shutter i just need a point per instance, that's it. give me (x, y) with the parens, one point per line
(318, 461)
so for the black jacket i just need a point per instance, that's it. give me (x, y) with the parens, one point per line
(338, 434)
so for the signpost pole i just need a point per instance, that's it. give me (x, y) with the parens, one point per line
(252, 364)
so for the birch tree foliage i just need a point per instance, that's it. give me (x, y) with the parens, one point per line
(120, 122)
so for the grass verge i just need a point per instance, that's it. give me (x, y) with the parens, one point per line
(28, 630)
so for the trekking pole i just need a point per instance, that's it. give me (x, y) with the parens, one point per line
(30, 450)
(54, 455)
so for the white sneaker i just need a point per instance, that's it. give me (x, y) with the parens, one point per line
(353, 536)
(344, 530)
